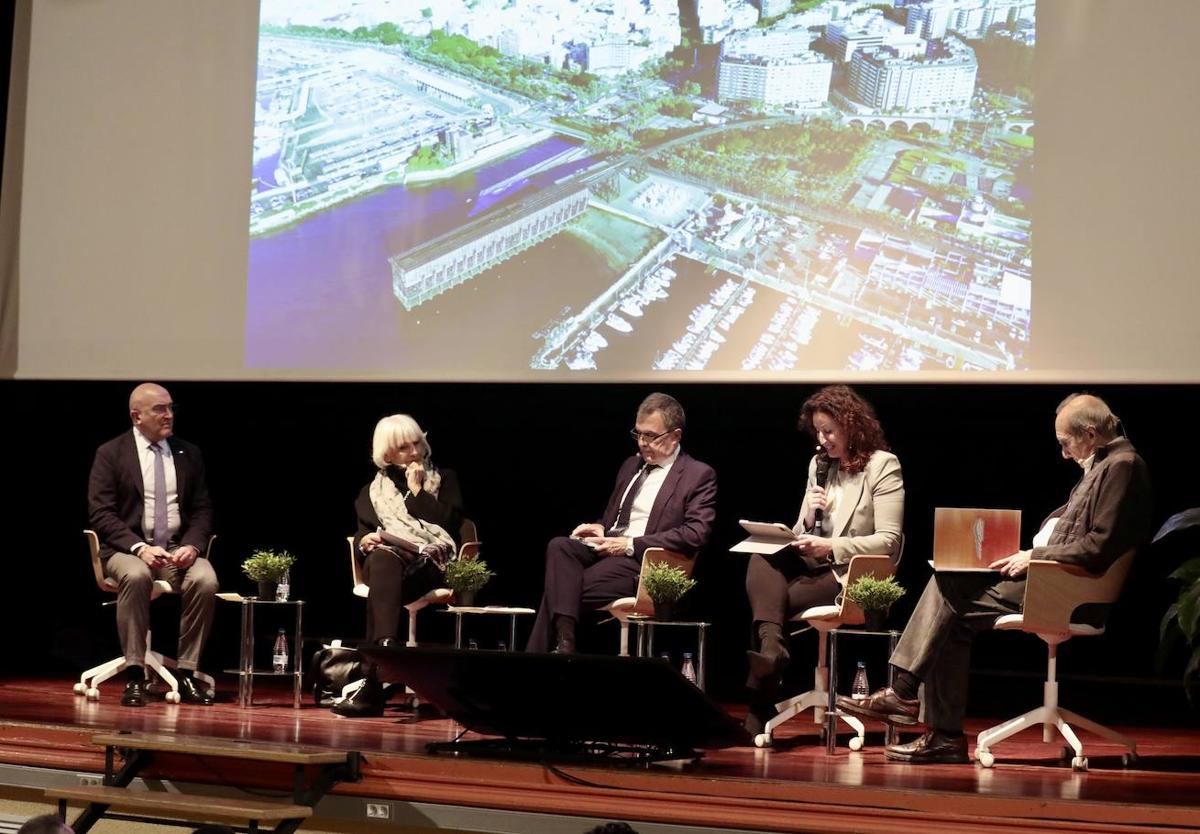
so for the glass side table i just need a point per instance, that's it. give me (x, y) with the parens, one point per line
(246, 671)
(644, 639)
(459, 611)
(831, 712)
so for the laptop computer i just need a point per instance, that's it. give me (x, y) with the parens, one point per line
(971, 539)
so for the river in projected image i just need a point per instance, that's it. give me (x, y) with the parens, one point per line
(517, 194)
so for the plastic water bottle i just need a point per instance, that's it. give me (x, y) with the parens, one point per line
(689, 671)
(472, 644)
(502, 646)
(283, 588)
(860, 689)
(665, 656)
(280, 652)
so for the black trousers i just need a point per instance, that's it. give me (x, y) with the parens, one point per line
(391, 590)
(577, 579)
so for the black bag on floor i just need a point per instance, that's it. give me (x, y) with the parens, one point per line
(332, 668)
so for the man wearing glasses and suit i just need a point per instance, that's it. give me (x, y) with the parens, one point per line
(148, 503)
(663, 498)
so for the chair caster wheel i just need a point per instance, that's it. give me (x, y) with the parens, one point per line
(1079, 764)
(1129, 759)
(93, 694)
(985, 758)
(762, 740)
(856, 743)
(172, 697)
(81, 688)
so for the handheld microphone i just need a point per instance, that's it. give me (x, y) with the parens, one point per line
(822, 474)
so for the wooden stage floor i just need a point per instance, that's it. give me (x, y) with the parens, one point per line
(795, 787)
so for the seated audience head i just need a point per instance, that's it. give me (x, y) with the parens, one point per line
(399, 441)
(152, 411)
(845, 425)
(45, 824)
(612, 828)
(659, 427)
(1083, 423)
(215, 829)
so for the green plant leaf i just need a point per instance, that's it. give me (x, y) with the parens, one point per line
(1188, 572)
(1169, 640)
(1164, 628)
(1189, 612)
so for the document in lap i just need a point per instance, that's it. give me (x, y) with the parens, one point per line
(765, 537)
(971, 539)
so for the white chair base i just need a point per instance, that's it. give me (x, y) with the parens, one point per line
(1052, 718)
(155, 662)
(818, 701)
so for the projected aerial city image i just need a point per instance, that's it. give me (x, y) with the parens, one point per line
(475, 189)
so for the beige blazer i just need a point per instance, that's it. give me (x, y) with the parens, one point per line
(869, 515)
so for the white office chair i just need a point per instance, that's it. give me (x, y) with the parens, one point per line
(468, 550)
(1052, 593)
(640, 602)
(824, 619)
(156, 662)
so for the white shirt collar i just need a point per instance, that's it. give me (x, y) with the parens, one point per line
(142, 442)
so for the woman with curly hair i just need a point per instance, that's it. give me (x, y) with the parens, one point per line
(854, 504)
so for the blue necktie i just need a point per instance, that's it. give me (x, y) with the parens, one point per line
(160, 497)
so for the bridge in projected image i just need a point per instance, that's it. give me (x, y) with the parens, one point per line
(454, 258)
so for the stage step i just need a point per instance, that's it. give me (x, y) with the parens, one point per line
(183, 806)
(316, 771)
(257, 751)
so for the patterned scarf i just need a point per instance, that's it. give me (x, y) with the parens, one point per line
(396, 520)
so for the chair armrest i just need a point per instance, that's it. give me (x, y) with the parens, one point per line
(1054, 590)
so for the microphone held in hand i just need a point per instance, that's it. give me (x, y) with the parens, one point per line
(822, 475)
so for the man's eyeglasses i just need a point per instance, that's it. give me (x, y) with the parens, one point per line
(163, 408)
(641, 436)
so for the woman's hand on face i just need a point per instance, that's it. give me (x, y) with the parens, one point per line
(369, 542)
(414, 474)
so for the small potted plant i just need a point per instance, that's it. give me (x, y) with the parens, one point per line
(267, 567)
(465, 577)
(1179, 631)
(664, 585)
(875, 597)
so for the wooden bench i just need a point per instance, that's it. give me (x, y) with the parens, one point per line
(138, 749)
(189, 807)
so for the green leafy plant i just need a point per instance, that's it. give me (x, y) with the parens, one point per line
(465, 576)
(1182, 620)
(268, 565)
(871, 594)
(665, 583)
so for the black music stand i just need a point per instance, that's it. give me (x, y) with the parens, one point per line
(563, 707)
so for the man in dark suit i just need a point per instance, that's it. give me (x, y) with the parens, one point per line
(663, 498)
(148, 503)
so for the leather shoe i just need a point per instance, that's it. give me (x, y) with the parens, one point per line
(934, 747)
(192, 692)
(134, 694)
(365, 702)
(565, 644)
(768, 664)
(883, 705)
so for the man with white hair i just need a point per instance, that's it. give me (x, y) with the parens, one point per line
(1107, 514)
(148, 502)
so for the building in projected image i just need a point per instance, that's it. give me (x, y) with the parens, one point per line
(799, 80)
(445, 262)
(944, 76)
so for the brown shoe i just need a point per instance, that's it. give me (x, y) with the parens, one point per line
(883, 705)
(934, 747)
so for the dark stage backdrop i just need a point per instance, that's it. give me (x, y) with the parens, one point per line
(286, 461)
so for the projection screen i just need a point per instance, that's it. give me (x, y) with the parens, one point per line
(600, 190)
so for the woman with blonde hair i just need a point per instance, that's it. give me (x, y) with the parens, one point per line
(409, 517)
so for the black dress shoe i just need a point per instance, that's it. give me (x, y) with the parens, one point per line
(366, 701)
(134, 694)
(768, 664)
(883, 705)
(565, 644)
(934, 747)
(192, 692)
